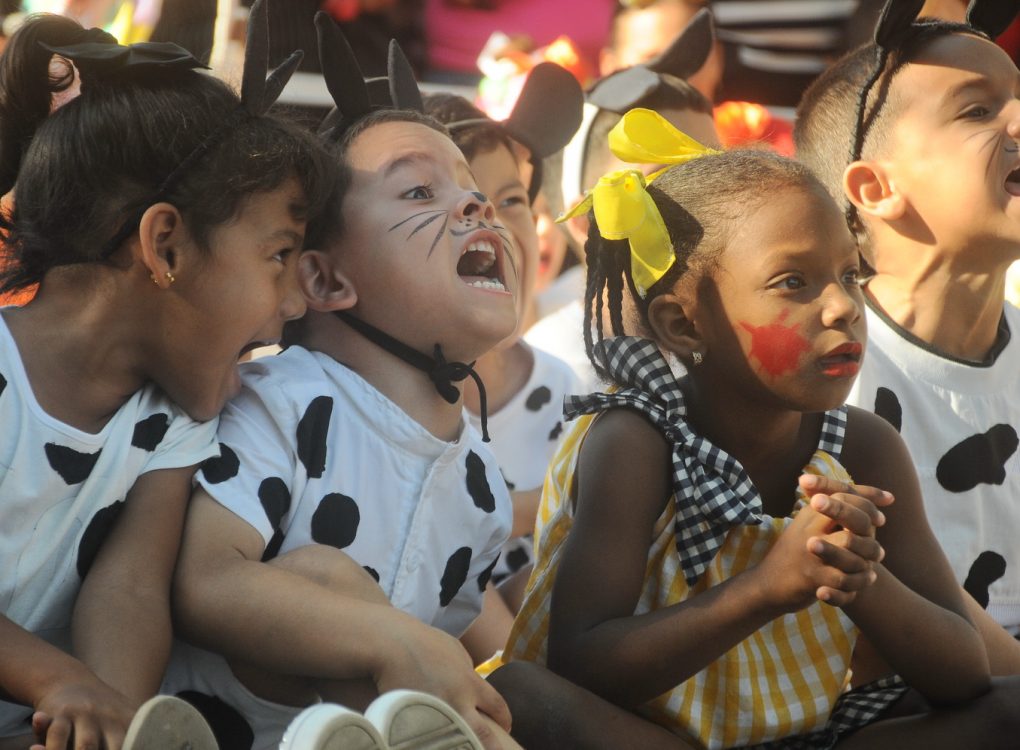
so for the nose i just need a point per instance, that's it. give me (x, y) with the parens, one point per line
(840, 307)
(1013, 119)
(477, 206)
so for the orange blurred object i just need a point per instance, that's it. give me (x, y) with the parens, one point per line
(563, 52)
(744, 123)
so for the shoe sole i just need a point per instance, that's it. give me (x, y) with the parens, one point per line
(331, 727)
(168, 723)
(409, 720)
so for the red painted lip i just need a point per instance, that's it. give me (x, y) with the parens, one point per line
(841, 369)
(851, 349)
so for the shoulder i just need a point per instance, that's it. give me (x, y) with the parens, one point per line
(621, 443)
(873, 451)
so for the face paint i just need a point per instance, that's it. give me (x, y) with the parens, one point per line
(776, 347)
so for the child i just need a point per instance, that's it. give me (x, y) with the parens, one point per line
(164, 245)
(524, 386)
(729, 607)
(659, 84)
(342, 542)
(930, 188)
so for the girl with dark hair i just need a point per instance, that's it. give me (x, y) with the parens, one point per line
(746, 565)
(161, 218)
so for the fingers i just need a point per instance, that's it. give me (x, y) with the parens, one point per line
(491, 703)
(59, 734)
(852, 512)
(841, 556)
(40, 723)
(814, 484)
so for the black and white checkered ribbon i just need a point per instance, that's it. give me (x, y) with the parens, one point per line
(712, 491)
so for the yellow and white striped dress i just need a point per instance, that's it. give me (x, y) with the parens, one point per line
(783, 680)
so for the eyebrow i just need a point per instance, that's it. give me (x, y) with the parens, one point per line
(287, 234)
(407, 160)
(978, 85)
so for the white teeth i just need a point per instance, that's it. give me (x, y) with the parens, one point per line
(488, 284)
(481, 247)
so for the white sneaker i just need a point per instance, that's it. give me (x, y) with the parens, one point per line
(328, 726)
(409, 720)
(168, 723)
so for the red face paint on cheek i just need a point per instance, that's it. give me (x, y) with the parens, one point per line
(776, 347)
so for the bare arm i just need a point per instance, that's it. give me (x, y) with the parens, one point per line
(915, 614)
(229, 602)
(595, 640)
(121, 627)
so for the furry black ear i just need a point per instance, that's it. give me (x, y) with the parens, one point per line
(258, 93)
(992, 16)
(548, 111)
(894, 22)
(404, 91)
(343, 76)
(689, 51)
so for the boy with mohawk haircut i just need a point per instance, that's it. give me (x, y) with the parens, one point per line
(916, 136)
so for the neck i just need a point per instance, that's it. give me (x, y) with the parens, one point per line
(924, 290)
(72, 340)
(504, 372)
(406, 386)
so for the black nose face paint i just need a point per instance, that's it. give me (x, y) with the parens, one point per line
(480, 196)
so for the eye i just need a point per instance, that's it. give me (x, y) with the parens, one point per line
(852, 277)
(512, 201)
(789, 283)
(419, 193)
(977, 112)
(281, 256)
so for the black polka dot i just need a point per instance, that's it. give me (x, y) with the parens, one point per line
(222, 467)
(273, 547)
(230, 728)
(95, 534)
(986, 570)
(372, 572)
(887, 406)
(72, 466)
(275, 498)
(516, 559)
(556, 431)
(454, 575)
(538, 398)
(478, 484)
(150, 431)
(336, 520)
(312, 432)
(980, 459)
(3, 384)
(485, 575)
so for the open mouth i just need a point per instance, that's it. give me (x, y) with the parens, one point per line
(481, 263)
(1013, 182)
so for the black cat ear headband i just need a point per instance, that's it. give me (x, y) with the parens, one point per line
(355, 97)
(895, 28)
(100, 56)
(545, 117)
(625, 89)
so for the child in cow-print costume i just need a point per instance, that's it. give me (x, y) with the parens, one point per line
(138, 224)
(342, 541)
(932, 190)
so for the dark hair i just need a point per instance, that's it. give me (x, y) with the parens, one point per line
(671, 93)
(825, 129)
(86, 170)
(473, 139)
(700, 202)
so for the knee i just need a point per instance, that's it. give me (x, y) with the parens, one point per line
(998, 708)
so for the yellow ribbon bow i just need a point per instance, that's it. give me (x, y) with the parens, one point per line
(623, 208)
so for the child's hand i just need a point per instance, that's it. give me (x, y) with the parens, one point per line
(81, 714)
(427, 659)
(827, 552)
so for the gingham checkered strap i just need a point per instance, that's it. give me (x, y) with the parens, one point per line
(712, 491)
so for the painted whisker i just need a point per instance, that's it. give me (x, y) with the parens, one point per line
(423, 225)
(415, 216)
(439, 234)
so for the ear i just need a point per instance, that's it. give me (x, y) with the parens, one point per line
(870, 188)
(325, 287)
(670, 316)
(164, 243)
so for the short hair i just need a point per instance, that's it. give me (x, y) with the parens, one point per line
(826, 126)
(701, 201)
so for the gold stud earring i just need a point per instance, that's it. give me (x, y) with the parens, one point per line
(169, 277)
(697, 358)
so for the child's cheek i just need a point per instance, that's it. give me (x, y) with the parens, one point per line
(776, 347)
